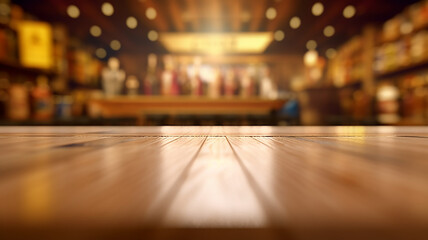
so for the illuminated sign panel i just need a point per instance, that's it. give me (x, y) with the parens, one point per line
(35, 44)
(216, 43)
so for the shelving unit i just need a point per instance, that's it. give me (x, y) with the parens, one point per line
(378, 57)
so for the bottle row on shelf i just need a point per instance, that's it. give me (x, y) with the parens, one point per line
(403, 100)
(398, 46)
(173, 78)
(65, 60)
(23, 100)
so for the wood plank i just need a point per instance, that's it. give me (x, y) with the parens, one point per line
(120, 183)
(216, 192)
(279, 180)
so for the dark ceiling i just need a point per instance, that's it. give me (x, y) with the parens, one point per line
(215, 15)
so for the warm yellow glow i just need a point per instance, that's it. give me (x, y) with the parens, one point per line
(331, 53)
(153, 35)
(107, 9)
(317, 9)
(131, 22)
(310, 58)
(73, 11)
(35, 44)
(311, 45)
(279, 35)
(271, 13)
(95, 31)
(329, 31)
(216, 43)
(100, 53)
(349, 11)
(151, 13)
(295, 22)
(115, 45)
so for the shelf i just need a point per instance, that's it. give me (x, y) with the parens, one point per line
(17, 68)
(402, 70)
(401, 37)
(355, 84)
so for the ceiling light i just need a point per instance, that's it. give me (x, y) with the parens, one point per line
(153, 35)
(349, 11)
(317, 9)
(217, 43)
(73, 11)
(131, 22)
(295, 22)
(329, 31)
(271, 13)
(107, 9)
(100, 53)
(151, 13)
(331, 53)
(279, 35)
(115, 45)
(311, 45)
(95, 31)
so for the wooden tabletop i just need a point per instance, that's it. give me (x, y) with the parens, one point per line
(215, 182)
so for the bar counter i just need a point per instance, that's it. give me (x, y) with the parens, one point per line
(137, 106)
(214, 182)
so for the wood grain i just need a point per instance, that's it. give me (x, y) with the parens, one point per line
(275, 181)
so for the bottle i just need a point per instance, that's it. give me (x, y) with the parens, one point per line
(132, 86)
(151, 82)
(42, 100)
(18, 107)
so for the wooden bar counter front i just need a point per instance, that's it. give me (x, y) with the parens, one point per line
(138, 106)
(214, 183)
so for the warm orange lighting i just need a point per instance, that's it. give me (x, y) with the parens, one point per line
(311, 45)
(295, 22)
(310, 58)
(151, 13)
(216, 43)
(317, 9)
(100, 53)
(95, 31)
(73, 11)
(115, 45)
(131, 22)
(329, 31)
(349, 11)
(107, 9)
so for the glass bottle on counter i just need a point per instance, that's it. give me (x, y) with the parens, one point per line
(215, 85)
(170, 78)
(43, 107)
(247, 83)
(113, 78)
(267, 86)
(230, 83)
(151, 82)
(132, 86)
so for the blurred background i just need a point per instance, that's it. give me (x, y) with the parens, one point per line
(213, 62)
